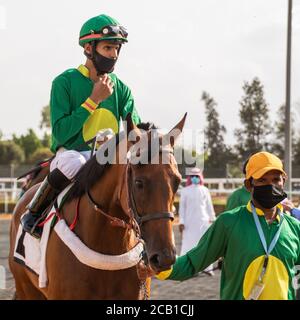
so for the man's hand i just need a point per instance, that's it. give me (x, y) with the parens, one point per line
(103, 88)
(181, 228)
(287, 205)
(144, 271)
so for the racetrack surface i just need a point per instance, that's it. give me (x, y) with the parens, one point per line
(201, 287)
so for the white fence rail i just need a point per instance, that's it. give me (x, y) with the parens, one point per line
(10, 188)
(227, 186)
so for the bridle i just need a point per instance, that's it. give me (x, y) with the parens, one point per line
(136, 220)
(139, 218)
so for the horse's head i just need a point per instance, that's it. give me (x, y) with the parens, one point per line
(149, 189)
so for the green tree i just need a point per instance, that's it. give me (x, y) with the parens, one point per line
(46, 140)
(254, 116)
(45, 122)
(217, 154)
(277, 146)
(46, 125)
(296, 159)
(40, 155)
(29, 143)
(182, 155)
(10, 153)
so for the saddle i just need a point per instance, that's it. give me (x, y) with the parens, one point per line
(30, 251)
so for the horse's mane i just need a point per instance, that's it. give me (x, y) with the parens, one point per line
(92, 171)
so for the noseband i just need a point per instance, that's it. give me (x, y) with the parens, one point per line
(135, 217)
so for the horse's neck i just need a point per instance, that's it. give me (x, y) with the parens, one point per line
(94, 229)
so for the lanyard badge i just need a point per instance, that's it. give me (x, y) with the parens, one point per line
(258, 287)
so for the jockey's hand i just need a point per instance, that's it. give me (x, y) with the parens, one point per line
(181, 228)
(144, 271)
(103, 88)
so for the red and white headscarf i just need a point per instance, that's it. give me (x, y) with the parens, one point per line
(194, 172)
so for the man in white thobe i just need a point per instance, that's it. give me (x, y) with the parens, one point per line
(196, 212)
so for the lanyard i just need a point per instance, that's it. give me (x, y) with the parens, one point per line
(263, 239)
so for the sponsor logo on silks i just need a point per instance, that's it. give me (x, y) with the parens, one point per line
(2, 277)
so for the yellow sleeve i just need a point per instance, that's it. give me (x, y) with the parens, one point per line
(164, 274)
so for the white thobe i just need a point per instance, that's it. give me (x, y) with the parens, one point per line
(196, 213)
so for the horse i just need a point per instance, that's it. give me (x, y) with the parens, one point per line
(116, 206)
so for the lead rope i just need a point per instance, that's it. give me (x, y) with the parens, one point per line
(143, 287)
(133, 213)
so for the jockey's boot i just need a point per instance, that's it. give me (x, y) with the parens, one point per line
(49, 189)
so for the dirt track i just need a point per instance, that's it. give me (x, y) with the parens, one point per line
(202, 287)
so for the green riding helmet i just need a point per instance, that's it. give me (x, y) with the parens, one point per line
(101, 28)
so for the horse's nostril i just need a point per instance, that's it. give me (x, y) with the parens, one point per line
(163, 259)
(154, 260)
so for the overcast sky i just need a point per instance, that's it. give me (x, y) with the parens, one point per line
(176, 50)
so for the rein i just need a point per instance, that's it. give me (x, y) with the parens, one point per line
(136, 220)
(115, 222)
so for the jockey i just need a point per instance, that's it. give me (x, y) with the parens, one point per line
(83, 101)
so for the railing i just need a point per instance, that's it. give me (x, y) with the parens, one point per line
(10, 188)
(226, 186)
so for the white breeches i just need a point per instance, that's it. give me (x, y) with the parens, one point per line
(69, 161)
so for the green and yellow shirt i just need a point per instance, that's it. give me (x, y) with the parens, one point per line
(234, 236)
(75, 118)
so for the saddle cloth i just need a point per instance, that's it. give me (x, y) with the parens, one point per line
(31, 252)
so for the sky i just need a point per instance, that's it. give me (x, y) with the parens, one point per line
(176, 50)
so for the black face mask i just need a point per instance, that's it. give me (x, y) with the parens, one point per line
(268, 196)
(101, 63)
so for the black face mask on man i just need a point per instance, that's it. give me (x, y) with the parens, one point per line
(102, 64)
(268, 196)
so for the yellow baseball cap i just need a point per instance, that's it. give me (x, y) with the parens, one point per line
(262, 162)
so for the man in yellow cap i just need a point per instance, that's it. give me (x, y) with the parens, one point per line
(259, 244)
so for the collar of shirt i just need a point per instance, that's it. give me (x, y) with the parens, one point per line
(261, 213)
(84, 70)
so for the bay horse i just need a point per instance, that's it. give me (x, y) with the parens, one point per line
(138, 197)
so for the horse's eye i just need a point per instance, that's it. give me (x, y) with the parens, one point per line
(139, 184)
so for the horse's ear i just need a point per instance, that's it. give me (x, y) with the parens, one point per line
(130, 126)
(129, 123)
(176, 131)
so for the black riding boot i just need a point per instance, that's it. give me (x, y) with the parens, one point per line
(50, 188)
